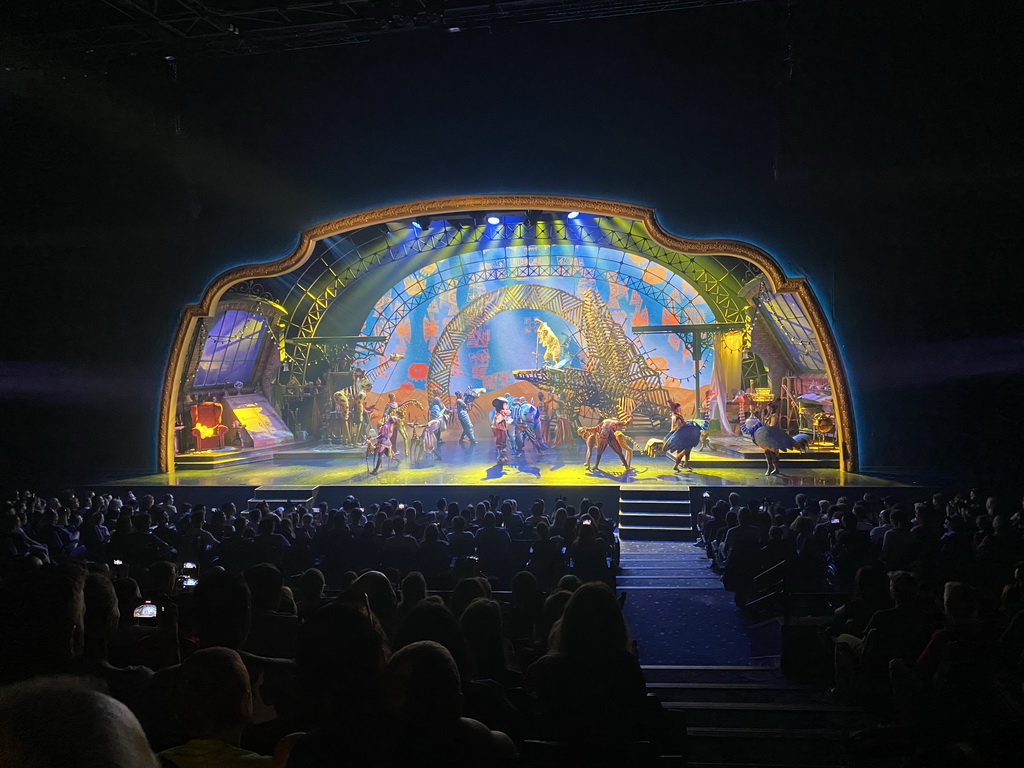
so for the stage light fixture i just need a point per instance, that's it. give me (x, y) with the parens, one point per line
(493, 220)
(572, 215)
(421, 222)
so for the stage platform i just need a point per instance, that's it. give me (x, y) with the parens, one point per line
(729, 464)
(651, 502)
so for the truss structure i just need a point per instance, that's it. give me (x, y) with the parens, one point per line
(616, 377)
(208, 28)
(340, 262)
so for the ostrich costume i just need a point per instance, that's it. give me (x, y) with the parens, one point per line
(772, 438)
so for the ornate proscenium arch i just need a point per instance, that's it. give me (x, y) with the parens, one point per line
(486, 306)
(678, 251)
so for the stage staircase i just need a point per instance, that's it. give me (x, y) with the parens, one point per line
(283, 495)
(727, 699)
(655, 514)
(740, 716)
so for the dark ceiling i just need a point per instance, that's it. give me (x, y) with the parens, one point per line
(104, 29)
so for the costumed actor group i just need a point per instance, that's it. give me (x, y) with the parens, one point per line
(514, 422)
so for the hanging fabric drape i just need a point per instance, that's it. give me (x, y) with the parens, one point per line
(726, 375)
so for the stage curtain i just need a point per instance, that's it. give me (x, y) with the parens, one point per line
(726, 375)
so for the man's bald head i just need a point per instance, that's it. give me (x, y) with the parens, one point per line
(50, 721)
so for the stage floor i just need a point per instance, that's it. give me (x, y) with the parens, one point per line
(464, 465)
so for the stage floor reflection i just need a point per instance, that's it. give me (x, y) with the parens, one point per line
(474, 465)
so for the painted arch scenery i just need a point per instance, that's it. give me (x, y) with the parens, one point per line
(427, 298)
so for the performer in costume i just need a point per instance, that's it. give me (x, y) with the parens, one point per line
(606, 435)
(563, 429)
(360, 414)
(683, 437)
(545, 405)
(513, 446)
(500, 423)
(548, 339)
(462, 412)
(527, 418)
(383, 444)
(771, 438)
(341, 408)
(396, 409)
(430, 437)
(439, 413)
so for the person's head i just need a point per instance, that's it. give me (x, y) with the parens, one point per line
(747, 516)
(212, 697)
(960, 602)
(899, 518)
(221, 604)
(489, 520)
(379, 593)
(312, 583)
(466, 591)
(340, 654)
(398, 526)
(592, 623)
(101, 610)
(734, 500)
(904, 587)
(431, 533)
(51, 721)
(414, 588)
(265, 582)
(423, 685)
(163, 577)
(458, 524)
(570, 583)
(587, 531)
(44, 614)
(524, 586)
(482, 627)
(732, 519)
(871, 584)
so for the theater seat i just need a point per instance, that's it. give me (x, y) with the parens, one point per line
(207, 429)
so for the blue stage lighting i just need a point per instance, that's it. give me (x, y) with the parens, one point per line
(493, 220)
(573, 214)
(416, 224)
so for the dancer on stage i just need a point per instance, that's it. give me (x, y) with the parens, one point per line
(771, 438)
(341, 410)
(683, 437)
(500, 423)
(439, 413)
(396, 409)
(383, 444)
(548, 339)
(430, 438)
(527, 418)
(510, 404)
(364, 414)
(607, 433)
(462, 412)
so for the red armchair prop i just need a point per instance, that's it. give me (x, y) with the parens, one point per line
(207, 430)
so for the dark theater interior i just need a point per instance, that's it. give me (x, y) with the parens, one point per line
(543, 382)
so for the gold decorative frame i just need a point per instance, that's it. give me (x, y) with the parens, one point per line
(439, 207)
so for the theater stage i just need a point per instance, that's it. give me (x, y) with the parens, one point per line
(465, 465)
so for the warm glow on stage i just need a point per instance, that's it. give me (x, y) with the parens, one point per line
(567, 310)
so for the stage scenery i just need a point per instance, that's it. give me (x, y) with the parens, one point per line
(497, 346)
